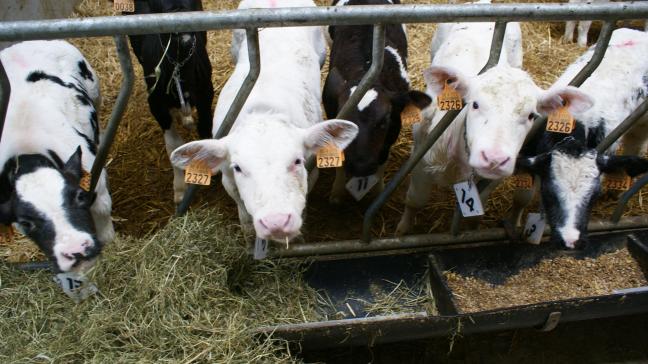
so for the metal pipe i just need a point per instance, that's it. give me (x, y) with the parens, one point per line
(623, 127)
(597, 57)
(627, 195)
(377, 61)
(5, 92)
(254, 59)
(431, 240)
(493, 58)
(118, 111)
(345, 15)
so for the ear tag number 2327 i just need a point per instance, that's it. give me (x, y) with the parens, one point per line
(330, 156)
(468, 199)
(197, 173)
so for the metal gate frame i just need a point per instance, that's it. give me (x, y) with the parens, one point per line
(253, 19)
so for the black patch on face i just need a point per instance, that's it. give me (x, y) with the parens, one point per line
(41, 76)
(84, 71)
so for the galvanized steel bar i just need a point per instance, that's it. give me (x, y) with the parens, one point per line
(377, 60)
(5, 92)
(496, 47)
(345, 15)
(125, 91)
(254, 59)
(431, 240)
(597, 57)
(627, 195)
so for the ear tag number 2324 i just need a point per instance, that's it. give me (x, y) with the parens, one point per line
(468, 199)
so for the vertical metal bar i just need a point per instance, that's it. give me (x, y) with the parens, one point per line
(496, 47)
(597, 57)
(5, 92)
(118, 111)
(627, 195)
(254, 57)
(378, 57)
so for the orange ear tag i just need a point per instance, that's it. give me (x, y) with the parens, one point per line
(127, 6)
(84, 183)
(410, 115)
(197, 173)
(617, 181)
(561, 121)
(330, 156)
(449, 99)
(6, 234)
(523, 181)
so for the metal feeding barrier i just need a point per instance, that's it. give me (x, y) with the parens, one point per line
(253, 19)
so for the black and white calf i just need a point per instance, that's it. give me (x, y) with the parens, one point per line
(378, 112)
(50, 138)
(178, 77)
(569, 167)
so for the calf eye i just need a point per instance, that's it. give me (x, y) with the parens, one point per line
(236, 168)
(26, 225)
(298, 161)
(532, 116)
(81, 198)
(475, 105)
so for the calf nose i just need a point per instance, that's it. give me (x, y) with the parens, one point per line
(494, 158)
(570, 237)
(277, 224)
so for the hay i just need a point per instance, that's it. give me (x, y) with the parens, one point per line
(559, 278)
(187, 293)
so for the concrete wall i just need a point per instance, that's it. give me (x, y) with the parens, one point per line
(35, 9)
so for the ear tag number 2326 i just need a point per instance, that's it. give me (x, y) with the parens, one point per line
(449, 99)
(561, 121)
(468, 199)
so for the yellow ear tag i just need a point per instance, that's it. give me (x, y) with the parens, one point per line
(449, 99)
(84, 183)
(6, 234)
(330, 156)
(127, 6)
(561, 121)
(410, 115)
(617, 181)
(523, 181)
(197, 173)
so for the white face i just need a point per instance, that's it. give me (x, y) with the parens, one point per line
(43, 214)
(501, 109)
(264, 163)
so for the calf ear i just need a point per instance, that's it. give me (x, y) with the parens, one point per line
(553, 99)
(335, 131)
(73, 169)
(419, 99)
(632, 165)
(533, 165)
(210, 151)
(437, 77)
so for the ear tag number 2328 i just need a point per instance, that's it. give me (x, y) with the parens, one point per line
(468, 199)
(561, 121)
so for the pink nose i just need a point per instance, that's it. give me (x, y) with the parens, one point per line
(277, 224)
(494, 158)
(75, 251)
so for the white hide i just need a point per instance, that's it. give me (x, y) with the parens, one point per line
(574, 178)
(369, 97)
(615, 84)
(277, 129)
(43, 116)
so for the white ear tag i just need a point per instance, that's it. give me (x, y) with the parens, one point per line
(468, 199)
(534, 228)
(359, 186)
(75, 285)
(260, 248)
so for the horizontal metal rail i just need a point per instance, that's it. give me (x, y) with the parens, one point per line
(254, 60)
(435, 134)
(431, 240)
(118, 110)
(331, 15)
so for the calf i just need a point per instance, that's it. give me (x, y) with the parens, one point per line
(378, 112)
(50, 139)
(569, 167)
(278, 128)
(485, 138)
(177, 72)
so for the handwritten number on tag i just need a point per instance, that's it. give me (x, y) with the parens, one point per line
(470, 202)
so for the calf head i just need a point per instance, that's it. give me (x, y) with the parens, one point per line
(266, 164)
(47, 205)
(377, 116)
(501, 105)
(570, 171)
(170, 6)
